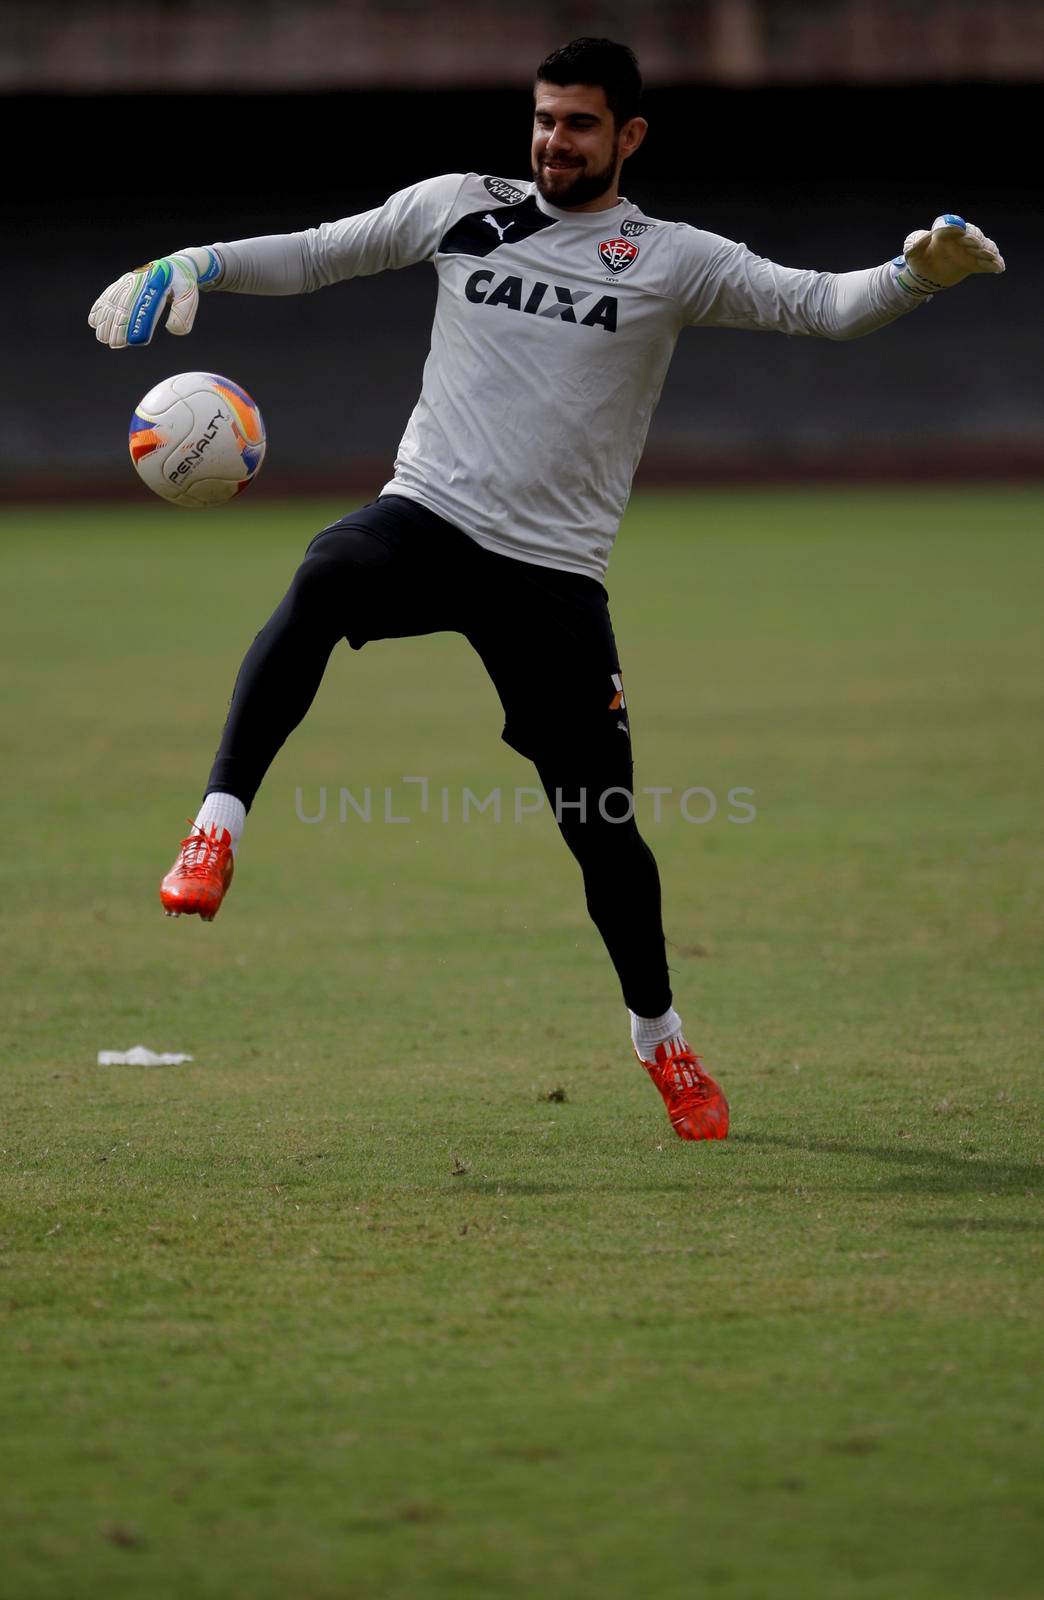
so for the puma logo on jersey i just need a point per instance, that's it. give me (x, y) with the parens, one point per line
(540, 299)
(495, 224)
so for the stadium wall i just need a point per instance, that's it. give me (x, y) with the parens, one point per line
(106, 45)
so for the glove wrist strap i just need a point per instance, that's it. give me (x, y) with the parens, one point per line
(914, 283)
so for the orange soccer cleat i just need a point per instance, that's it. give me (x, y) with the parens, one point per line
(199, 878)
(695, 1104)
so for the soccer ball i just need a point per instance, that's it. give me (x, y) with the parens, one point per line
(197, 439)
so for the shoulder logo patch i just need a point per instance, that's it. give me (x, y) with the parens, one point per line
(631, 228)
(505, 192)
(617, 254)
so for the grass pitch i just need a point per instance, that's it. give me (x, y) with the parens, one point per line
(403, 1288)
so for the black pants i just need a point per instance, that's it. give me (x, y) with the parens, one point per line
(394, 569)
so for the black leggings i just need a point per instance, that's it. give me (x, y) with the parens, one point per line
(395, 569)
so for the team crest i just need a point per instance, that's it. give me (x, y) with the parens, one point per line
(617, 254)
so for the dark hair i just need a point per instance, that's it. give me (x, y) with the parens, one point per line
(601, 64)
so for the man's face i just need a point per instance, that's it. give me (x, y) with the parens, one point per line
(576, 147)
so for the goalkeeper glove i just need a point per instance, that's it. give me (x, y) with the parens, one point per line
(128, 311)
(953, 249)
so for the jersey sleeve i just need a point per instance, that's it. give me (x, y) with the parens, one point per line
(721, 284)
(404, 230)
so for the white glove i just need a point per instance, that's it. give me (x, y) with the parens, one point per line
(128, 311)
(940, 257)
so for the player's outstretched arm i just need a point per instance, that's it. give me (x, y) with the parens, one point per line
(405, 230)
(943, 255)
(129, 310)
(723, 284)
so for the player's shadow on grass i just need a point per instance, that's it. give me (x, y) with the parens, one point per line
(924, 1171)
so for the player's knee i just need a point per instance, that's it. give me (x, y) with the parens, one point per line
(310, 589)
(590, 808)
(319, 584)
(602, 833)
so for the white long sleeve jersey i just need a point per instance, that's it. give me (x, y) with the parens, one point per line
(552, 337)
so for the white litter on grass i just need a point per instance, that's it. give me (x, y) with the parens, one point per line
(140, 1057)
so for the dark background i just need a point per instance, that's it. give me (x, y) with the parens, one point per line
(826, 176)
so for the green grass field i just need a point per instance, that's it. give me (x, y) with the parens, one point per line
(348, 1308)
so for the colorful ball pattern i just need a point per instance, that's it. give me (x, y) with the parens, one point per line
(197, 439)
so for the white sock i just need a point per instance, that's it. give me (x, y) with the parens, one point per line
(222, 811)
(648, 1032)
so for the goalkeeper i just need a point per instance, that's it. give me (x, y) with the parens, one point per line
(559, 305)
